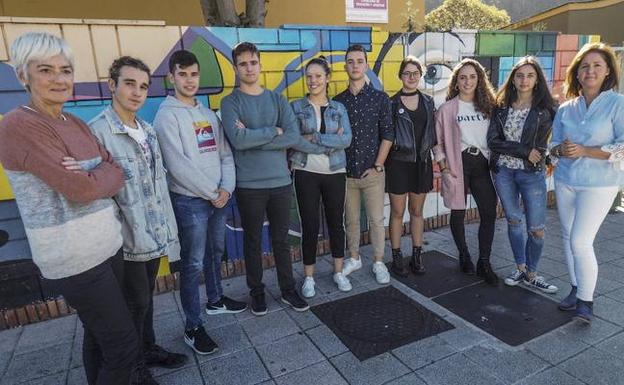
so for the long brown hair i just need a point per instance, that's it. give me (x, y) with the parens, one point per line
(508, 93)
(484, 100)
(572, 86)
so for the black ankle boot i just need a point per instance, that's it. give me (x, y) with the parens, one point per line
(466, 265)
(398, 264)
(416, 263)
(484, 270)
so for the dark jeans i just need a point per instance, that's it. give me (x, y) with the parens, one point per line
(110, 347)
(477, 180)
(311, 187)
(138, 286)
(252, 205)
(201, 229)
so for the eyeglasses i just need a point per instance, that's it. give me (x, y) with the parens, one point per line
(409, 74)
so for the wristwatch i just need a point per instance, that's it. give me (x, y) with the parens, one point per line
(378, 168)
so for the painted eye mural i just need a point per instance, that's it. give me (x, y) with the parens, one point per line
(439, 52)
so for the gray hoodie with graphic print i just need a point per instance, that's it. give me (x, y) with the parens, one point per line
(197, 156)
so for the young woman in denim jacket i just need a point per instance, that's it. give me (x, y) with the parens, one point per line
(588, 140)
(462, 154)
(325, 123)
(517, 138)
(409, 167)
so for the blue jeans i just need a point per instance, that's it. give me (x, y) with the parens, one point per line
(201, 228)
(513, 186)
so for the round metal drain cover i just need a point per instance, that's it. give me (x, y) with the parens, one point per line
(379, 319)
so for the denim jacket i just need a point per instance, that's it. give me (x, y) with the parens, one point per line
(335, 117)
(148, 228)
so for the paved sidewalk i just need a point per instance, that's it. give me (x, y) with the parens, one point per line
(285, 347)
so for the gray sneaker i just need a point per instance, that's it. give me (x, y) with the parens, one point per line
(515, 278)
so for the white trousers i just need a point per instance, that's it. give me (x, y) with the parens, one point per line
(581, 212)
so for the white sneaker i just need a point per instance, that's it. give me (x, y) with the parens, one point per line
(381, 273)
(342, 281)
(351, 265)
(307, 289)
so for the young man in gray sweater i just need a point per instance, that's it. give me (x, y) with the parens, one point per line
(261, 126)
(201, 181)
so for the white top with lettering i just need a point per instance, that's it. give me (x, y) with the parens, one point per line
(473, 126)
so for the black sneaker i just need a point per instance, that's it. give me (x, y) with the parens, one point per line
(199, 341)
(157, 356)
(225, 306)
(258, 305)
(295, 301)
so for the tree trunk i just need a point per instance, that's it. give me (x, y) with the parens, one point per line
(211, 12)
(227, 11)
(255, 11)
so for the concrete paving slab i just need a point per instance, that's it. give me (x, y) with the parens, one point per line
(268, 328)
(38, 363)
(319, 373)
(557, 346)
(595, 367)
(289, 354)
(38, 335)
(507, 365)
(243, 367)
(551, 376)
(409, 379)
(423, 352)
(613, 345)
(186, 376)
(326, 341)
(376, 370)
(457, 369)
(599, 331)
(609, 309)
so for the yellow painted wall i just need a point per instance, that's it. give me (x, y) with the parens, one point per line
(330, 12)
(173, 12)
(188, 12)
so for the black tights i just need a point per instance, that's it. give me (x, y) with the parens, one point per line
(477, 180)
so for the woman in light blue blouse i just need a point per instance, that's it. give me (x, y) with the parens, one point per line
(588, 137)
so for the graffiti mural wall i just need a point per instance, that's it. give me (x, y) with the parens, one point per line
(284, 52)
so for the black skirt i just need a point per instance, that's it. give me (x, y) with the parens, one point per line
(403, 177)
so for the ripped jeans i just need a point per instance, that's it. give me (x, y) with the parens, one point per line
(525, 226)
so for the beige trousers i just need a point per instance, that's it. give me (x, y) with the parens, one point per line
(372, 189)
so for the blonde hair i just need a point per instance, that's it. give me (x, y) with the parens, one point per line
(37, 46)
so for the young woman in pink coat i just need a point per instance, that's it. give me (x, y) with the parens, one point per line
(462, 154)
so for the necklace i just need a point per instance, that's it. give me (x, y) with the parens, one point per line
(62, 117)
(403, 93)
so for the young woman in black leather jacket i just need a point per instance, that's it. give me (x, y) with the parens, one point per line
(409, 169)
(518, 138)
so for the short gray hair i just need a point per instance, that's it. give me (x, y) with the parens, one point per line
(38, 46)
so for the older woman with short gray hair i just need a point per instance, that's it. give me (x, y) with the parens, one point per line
(70, 220)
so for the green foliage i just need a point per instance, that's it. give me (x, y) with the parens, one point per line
(470, 14)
